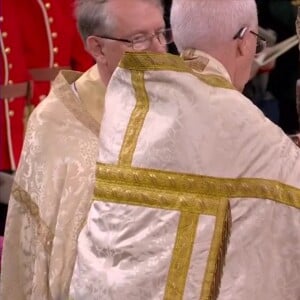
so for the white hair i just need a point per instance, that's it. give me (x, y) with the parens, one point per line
(204, 24)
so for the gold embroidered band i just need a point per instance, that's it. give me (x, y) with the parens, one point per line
(167, 62)
(191, 195)
(181, 256)
(44, 233)
(136, 120)
(122, 185)
(206, 186)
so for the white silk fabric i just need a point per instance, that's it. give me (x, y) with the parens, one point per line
(124, 251)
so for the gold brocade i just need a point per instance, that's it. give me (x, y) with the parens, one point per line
(168, 62)
(193, 60)
(191, 195)
(122, 185)
(216, 259)
(136, 120)
(162, 198)
(141, 61)
(44, 232)
(181, 256)
(205, 186)
(214, 81)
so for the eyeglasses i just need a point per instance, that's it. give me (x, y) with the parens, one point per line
(261, 43)
(142, 43)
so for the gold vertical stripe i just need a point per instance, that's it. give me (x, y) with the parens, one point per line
(181, 256)
(216, 258)
(44, 232)
(136, 120)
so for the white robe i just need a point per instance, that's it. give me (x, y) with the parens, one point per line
(159, 226)
(53, 188)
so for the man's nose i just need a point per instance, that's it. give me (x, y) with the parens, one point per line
(157, 46)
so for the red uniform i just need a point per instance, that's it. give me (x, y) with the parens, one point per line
(14, 87)
(49, 41)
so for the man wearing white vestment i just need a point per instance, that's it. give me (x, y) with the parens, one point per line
(197, 194)
(56, 175)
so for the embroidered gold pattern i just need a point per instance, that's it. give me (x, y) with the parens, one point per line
(214, 81)
(189, 194)
(192, 195)
(215, 263)
(181, 256)
(154, 61)
(168, 62)
(126, 185)
(204, 186)
(136, 120)
(163, 198)
(193, 60)
(44, 232)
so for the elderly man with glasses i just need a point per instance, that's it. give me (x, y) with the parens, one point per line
(197, 194)
(55, 178)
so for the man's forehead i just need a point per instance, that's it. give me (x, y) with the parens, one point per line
(138, 17)
(131, 6)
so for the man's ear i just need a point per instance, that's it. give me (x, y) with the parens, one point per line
(94, 46)
(242, 45)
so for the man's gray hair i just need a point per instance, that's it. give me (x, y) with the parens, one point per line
(205, 24)
(93, 17)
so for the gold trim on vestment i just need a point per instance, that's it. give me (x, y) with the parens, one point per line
(43, 231)
(167, 62)
(162, 198)
(136, 120)
(181, 256)
(214, 81)
(190, 206)
(189, 194)
(117, 184)
(63, 91)
(213, 273)
(206, 186)
(143, 61)
(91, 93)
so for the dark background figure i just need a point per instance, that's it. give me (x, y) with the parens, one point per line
(257, 88)
(167, 6)
(280, 16)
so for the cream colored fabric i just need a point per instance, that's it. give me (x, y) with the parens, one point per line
(110, 272)
(52, 191)
(196, 123)
(89, 93)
